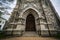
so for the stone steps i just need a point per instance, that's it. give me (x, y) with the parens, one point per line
(30, 34)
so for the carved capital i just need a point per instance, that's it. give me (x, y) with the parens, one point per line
(21, 21)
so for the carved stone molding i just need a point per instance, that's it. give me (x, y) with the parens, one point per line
(21, 21)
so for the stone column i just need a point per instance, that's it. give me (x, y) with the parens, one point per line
(38, 28)
(50, 18)
(44, 27)
(20, 26)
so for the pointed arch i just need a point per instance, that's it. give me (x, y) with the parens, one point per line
(37, 12)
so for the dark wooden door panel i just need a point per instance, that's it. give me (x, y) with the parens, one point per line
(30, 23)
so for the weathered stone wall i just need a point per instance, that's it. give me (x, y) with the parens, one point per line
(45, 20)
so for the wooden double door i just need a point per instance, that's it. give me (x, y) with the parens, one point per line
(30, 23)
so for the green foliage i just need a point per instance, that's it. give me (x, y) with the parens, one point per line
(1, 34)
(10, 0)
(0, 13)
(58, 36)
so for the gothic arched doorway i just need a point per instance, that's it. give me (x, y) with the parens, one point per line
(30, 23)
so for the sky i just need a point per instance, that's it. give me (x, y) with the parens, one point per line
(56, 4)
(10, 6)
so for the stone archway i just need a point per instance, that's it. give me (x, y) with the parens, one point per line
(35, 16)
(30, 23)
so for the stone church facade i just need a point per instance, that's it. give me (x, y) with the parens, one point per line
(36, 16)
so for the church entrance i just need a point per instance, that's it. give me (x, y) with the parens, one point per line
(30, 23)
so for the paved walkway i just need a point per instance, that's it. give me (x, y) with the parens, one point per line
(30, 38)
